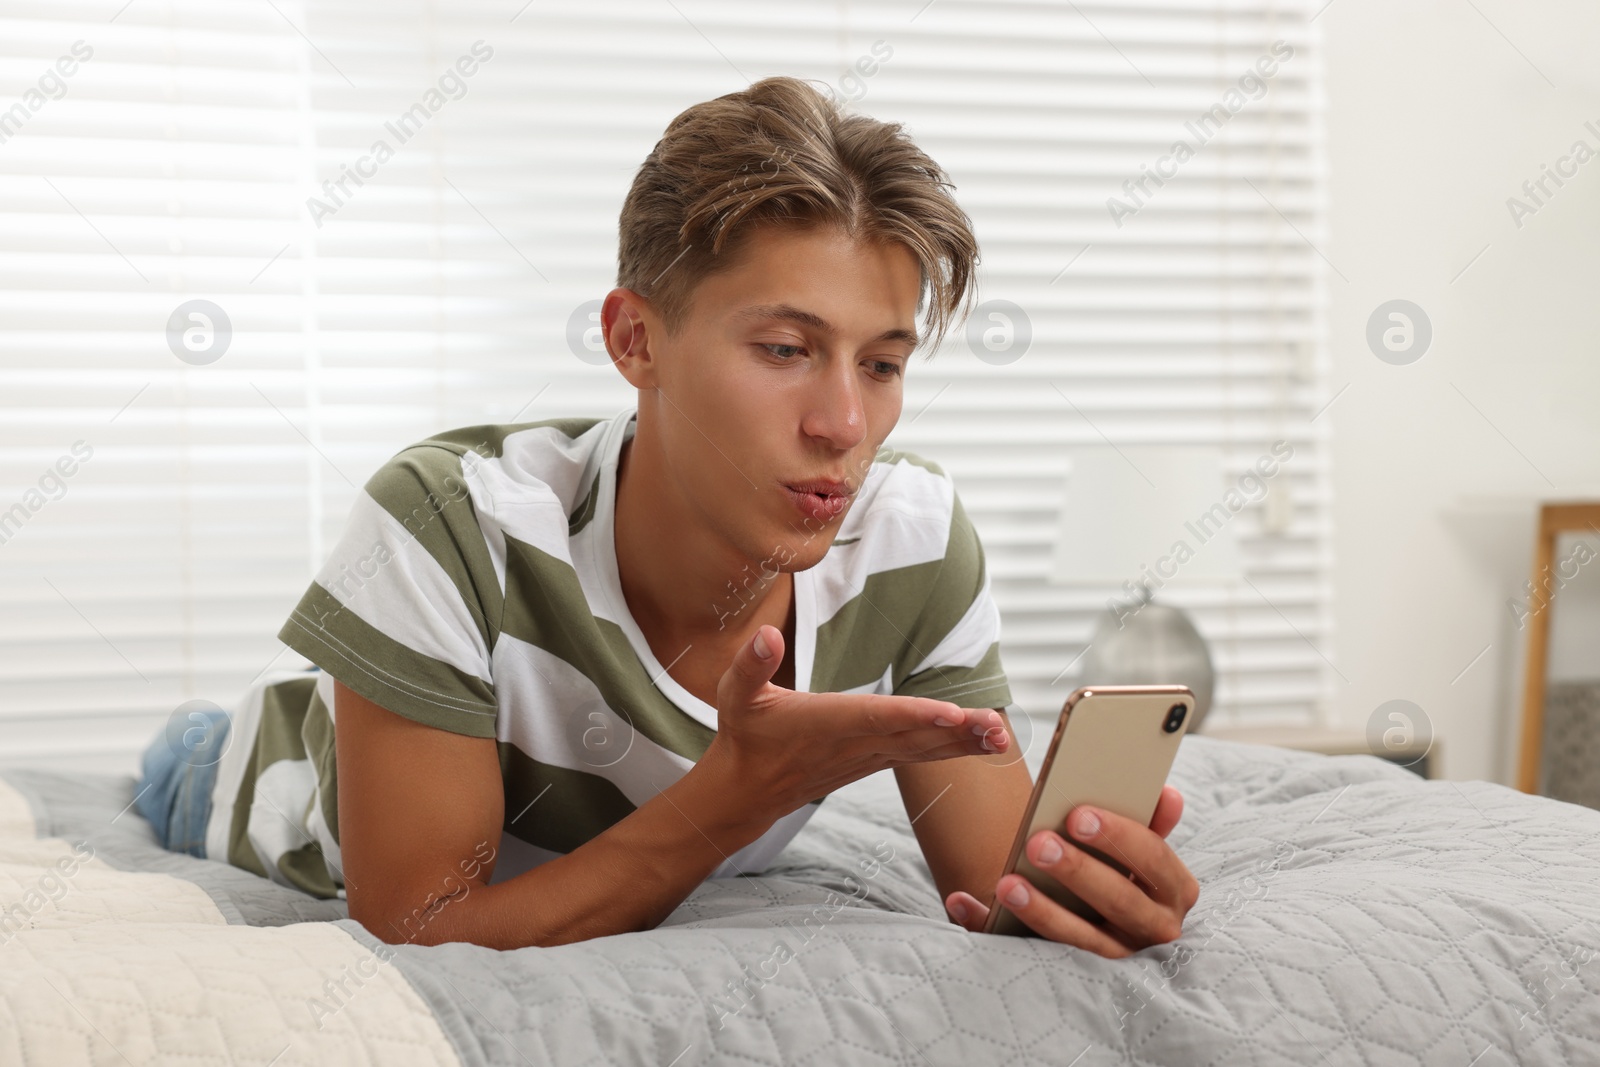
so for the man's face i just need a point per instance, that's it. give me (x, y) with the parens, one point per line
(785, 375)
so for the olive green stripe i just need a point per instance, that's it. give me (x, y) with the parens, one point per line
(240, 852)
(306, 869)
(386, 672)
(489, 440)
(424, 490)
(277, 738)
(952, 594)
(891, 456)
(283, 709)
(657, 718)
(901, 614)
(317, 735)
(869, 630)
(556, 808)
(981, 686)
(546, 607)
(585, 511)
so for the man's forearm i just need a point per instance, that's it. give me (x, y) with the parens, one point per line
(966, 813)
(629, 877)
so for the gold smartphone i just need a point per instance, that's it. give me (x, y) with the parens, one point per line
(1113, 747)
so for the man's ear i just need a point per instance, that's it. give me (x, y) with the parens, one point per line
(627, 321)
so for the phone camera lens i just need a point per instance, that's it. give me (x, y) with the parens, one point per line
(1174, 718)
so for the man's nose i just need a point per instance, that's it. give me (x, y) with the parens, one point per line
(836, 413)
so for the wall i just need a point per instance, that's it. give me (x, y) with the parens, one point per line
(1434, 119)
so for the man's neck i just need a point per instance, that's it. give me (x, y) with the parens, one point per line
(684, 586)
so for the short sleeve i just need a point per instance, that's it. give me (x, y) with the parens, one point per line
(955, 642)
(406, 608)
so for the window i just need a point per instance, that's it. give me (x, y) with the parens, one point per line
(361, 299)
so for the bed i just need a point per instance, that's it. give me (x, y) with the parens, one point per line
(1350, 913)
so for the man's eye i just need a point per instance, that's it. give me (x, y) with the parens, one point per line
(883, 366)
(784, 351)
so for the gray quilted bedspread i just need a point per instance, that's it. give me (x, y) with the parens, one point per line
(1350, 913)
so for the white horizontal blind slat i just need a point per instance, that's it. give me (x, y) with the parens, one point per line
(438, 295)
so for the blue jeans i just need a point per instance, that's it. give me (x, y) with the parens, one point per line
(179, 768)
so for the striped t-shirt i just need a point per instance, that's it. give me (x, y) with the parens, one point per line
(475, 589)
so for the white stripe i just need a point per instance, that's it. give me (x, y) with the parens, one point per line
(805, 628)
(494, 537)
(409, 599)
(902, 517)
(588, 549)
(319, 829)
(563, 720)
(512, 492)
(282, 794)
(533, 486)
(244, 717)
(533, 514)
(318, 824)
(325, 691)
(594, 550)
(548, 459)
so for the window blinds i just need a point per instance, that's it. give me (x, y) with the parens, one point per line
(224, 305)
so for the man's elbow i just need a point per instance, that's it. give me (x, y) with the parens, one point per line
(423, 924)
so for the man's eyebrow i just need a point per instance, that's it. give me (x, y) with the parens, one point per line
(808, 318)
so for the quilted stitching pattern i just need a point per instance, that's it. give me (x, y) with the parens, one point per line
(99, 965)
(152, 993)
(84, 892)
(1351, 913)
(98, 809)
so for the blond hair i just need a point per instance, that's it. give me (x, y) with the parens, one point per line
(783, 153)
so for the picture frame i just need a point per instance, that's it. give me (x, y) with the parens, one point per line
(1555, 519)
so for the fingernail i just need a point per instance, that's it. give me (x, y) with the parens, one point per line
(940, 720)
(989, 743)
(1017, 896)
(958, 911)
(760, 645)
(1049, 851)
(1088, 825)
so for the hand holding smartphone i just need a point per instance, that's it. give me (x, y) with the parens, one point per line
(1113, 747)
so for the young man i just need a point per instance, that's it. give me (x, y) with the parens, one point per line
(572, 668)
